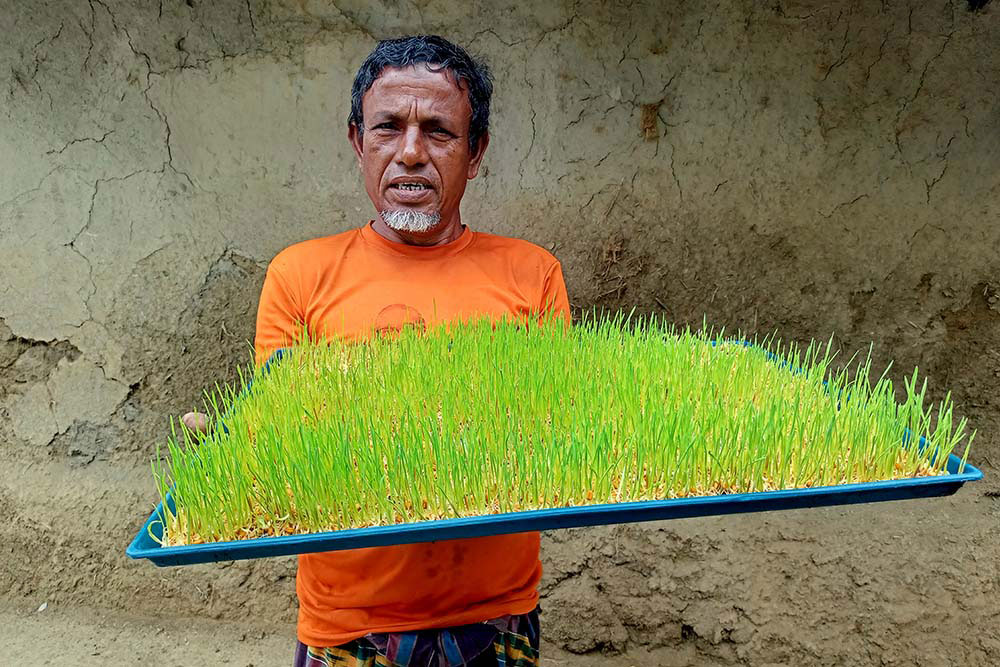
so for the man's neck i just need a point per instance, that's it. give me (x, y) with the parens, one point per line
(444, 234)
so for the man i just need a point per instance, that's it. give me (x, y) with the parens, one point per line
(419, 126)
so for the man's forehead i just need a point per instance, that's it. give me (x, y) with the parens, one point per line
(438, 87)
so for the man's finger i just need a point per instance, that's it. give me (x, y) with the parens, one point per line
(196, 421)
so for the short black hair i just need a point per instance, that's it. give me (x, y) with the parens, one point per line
(437, 53)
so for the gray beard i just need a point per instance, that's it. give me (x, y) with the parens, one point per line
(405, 220)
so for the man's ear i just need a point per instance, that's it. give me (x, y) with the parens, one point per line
(357, 141)
(477, 156)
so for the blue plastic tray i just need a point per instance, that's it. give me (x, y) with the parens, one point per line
(143, 546)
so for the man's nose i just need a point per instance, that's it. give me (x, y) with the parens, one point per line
(413, 151)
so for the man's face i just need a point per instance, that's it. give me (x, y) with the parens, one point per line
(414, 152)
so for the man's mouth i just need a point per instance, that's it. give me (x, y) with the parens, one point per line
(411, 186)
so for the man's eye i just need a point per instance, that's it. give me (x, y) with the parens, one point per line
(440, 131)
(384, 126)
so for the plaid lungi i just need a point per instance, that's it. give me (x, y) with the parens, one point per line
(509, 641)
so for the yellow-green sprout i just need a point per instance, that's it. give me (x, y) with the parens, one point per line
(491, 417)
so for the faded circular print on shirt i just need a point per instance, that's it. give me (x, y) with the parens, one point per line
(393, 319)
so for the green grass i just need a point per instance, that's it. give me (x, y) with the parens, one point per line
(484, 418)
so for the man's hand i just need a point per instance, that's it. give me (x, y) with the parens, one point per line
(196, 422)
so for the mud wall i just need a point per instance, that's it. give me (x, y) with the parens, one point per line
(805, 167)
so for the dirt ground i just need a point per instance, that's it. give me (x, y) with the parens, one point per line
(90, 637)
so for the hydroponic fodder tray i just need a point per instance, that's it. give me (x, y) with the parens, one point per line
(484, 428)
(145, 546)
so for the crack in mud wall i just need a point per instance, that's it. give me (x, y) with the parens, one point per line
(793, 166)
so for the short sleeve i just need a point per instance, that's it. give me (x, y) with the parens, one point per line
(554, 299)
(279, 317)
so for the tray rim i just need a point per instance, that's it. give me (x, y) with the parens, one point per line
(143, 546)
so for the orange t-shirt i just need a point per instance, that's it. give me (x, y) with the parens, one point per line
(347, 285)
